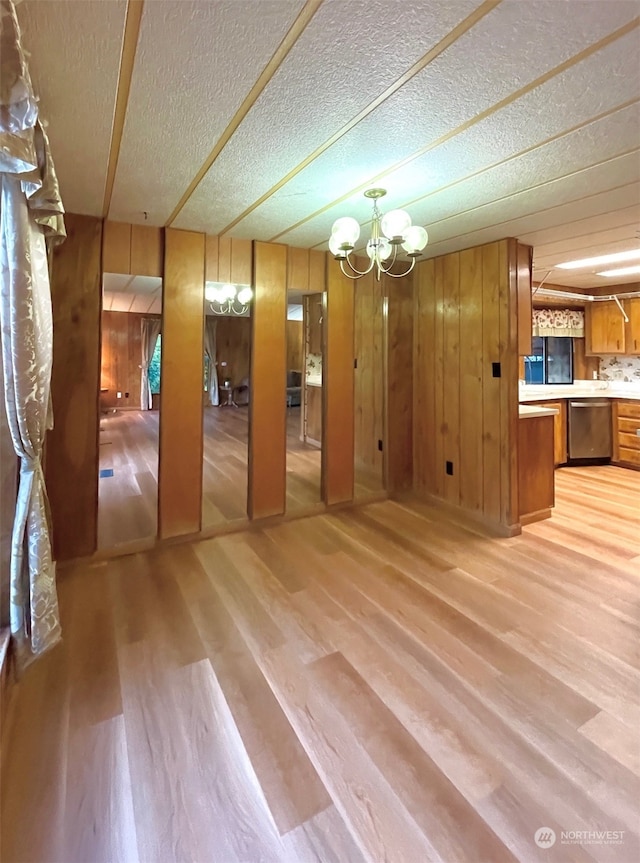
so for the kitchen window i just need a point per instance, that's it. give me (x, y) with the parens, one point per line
(551, 361)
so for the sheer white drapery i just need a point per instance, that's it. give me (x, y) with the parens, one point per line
(30, 214)
(210, 330)
(150, 331)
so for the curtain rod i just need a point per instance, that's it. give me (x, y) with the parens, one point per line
(568, 295)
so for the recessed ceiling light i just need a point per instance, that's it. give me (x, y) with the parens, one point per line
(601, 259)
(622, 271)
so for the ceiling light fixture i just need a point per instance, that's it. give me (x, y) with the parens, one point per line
(631, 255)
(622, 271)
(387, 233)
(227, 299)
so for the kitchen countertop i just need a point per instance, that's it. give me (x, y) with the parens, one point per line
(579, 389)
(314, 381)
(527, 411)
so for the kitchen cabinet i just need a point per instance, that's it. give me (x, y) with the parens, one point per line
(626, 441)
(632, 335)
(604, 329)
(559, 429)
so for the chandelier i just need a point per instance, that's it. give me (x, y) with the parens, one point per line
(388, 232)
(227, 299)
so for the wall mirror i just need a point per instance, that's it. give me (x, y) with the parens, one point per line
(369, 385)
(129, 405)
(304, 398)
(227, 396)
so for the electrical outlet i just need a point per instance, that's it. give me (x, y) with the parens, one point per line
(119, 395)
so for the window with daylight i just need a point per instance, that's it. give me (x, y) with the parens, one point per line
(154, 368)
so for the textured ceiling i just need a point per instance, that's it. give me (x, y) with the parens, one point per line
(267, 119)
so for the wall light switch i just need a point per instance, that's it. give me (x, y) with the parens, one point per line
(119, 395)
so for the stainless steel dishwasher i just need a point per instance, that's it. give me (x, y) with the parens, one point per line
(590, 433)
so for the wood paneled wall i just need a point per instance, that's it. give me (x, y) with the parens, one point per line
(228, 260)
(295, 345)
(71, 468)
(338, 388)
(132, 249)
(180, 457)
(465, 415)
(369, 376)
(267, 438)
(121, 355)
(398, 435)
(233, 347)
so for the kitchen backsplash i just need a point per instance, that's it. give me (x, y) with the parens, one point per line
(617, 368)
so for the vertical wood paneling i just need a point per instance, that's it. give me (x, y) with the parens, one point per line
(147, 252)
(337, 438)
(295, 345)
(116, 248)
(451, 374)
(317, 267)
(369, 402)
(512, 271)
(465, 321)
(224, 259)
(241, 262)
(424, 378)
(491, 450)
(297, 269)
(439, 371)
(233, 347)
(72, 446)
(211, 258)
(523, 299)
(399, 384)
(120, 359)
(267, 432)
(471, 378)
(180, 460)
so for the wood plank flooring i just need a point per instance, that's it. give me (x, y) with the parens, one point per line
(380, 684)
(127, 509)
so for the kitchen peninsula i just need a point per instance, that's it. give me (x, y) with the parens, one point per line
(535, 463)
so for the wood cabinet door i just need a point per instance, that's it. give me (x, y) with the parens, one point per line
(559, 430)
(605, 329)
(632, 308)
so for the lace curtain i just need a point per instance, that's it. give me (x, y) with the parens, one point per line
(31, 214)
(558, 322)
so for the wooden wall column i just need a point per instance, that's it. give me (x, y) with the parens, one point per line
(267, 405)
(398, 437)
(180, 457)
(71, 455)
(338, 388)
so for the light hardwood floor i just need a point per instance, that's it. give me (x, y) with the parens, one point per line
(127, 508)
(379, 684)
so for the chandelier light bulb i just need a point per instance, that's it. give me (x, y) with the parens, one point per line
(229, 291)
(395, 223)
(210, 293)
(415, 239)
(384, 249)
(244, 295)
(334, 247)
(346, 230)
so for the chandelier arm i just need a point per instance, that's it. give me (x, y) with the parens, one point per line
(364, 273)
(401, 275)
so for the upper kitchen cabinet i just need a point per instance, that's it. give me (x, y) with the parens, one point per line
(632, 308)
(604, 329)
(135, 250)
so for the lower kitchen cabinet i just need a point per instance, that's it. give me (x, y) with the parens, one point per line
(559, 429)
(626, 441)
(535, 468)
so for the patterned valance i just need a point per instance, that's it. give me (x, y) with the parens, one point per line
(558, 322)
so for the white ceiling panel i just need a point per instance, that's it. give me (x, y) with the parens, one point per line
(526, 121)
(598, 141)
(75, 56)
(195, 64)
(329, 77)
(466, 231)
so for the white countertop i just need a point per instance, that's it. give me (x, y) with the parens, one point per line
(579, 389)
(527, 411)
